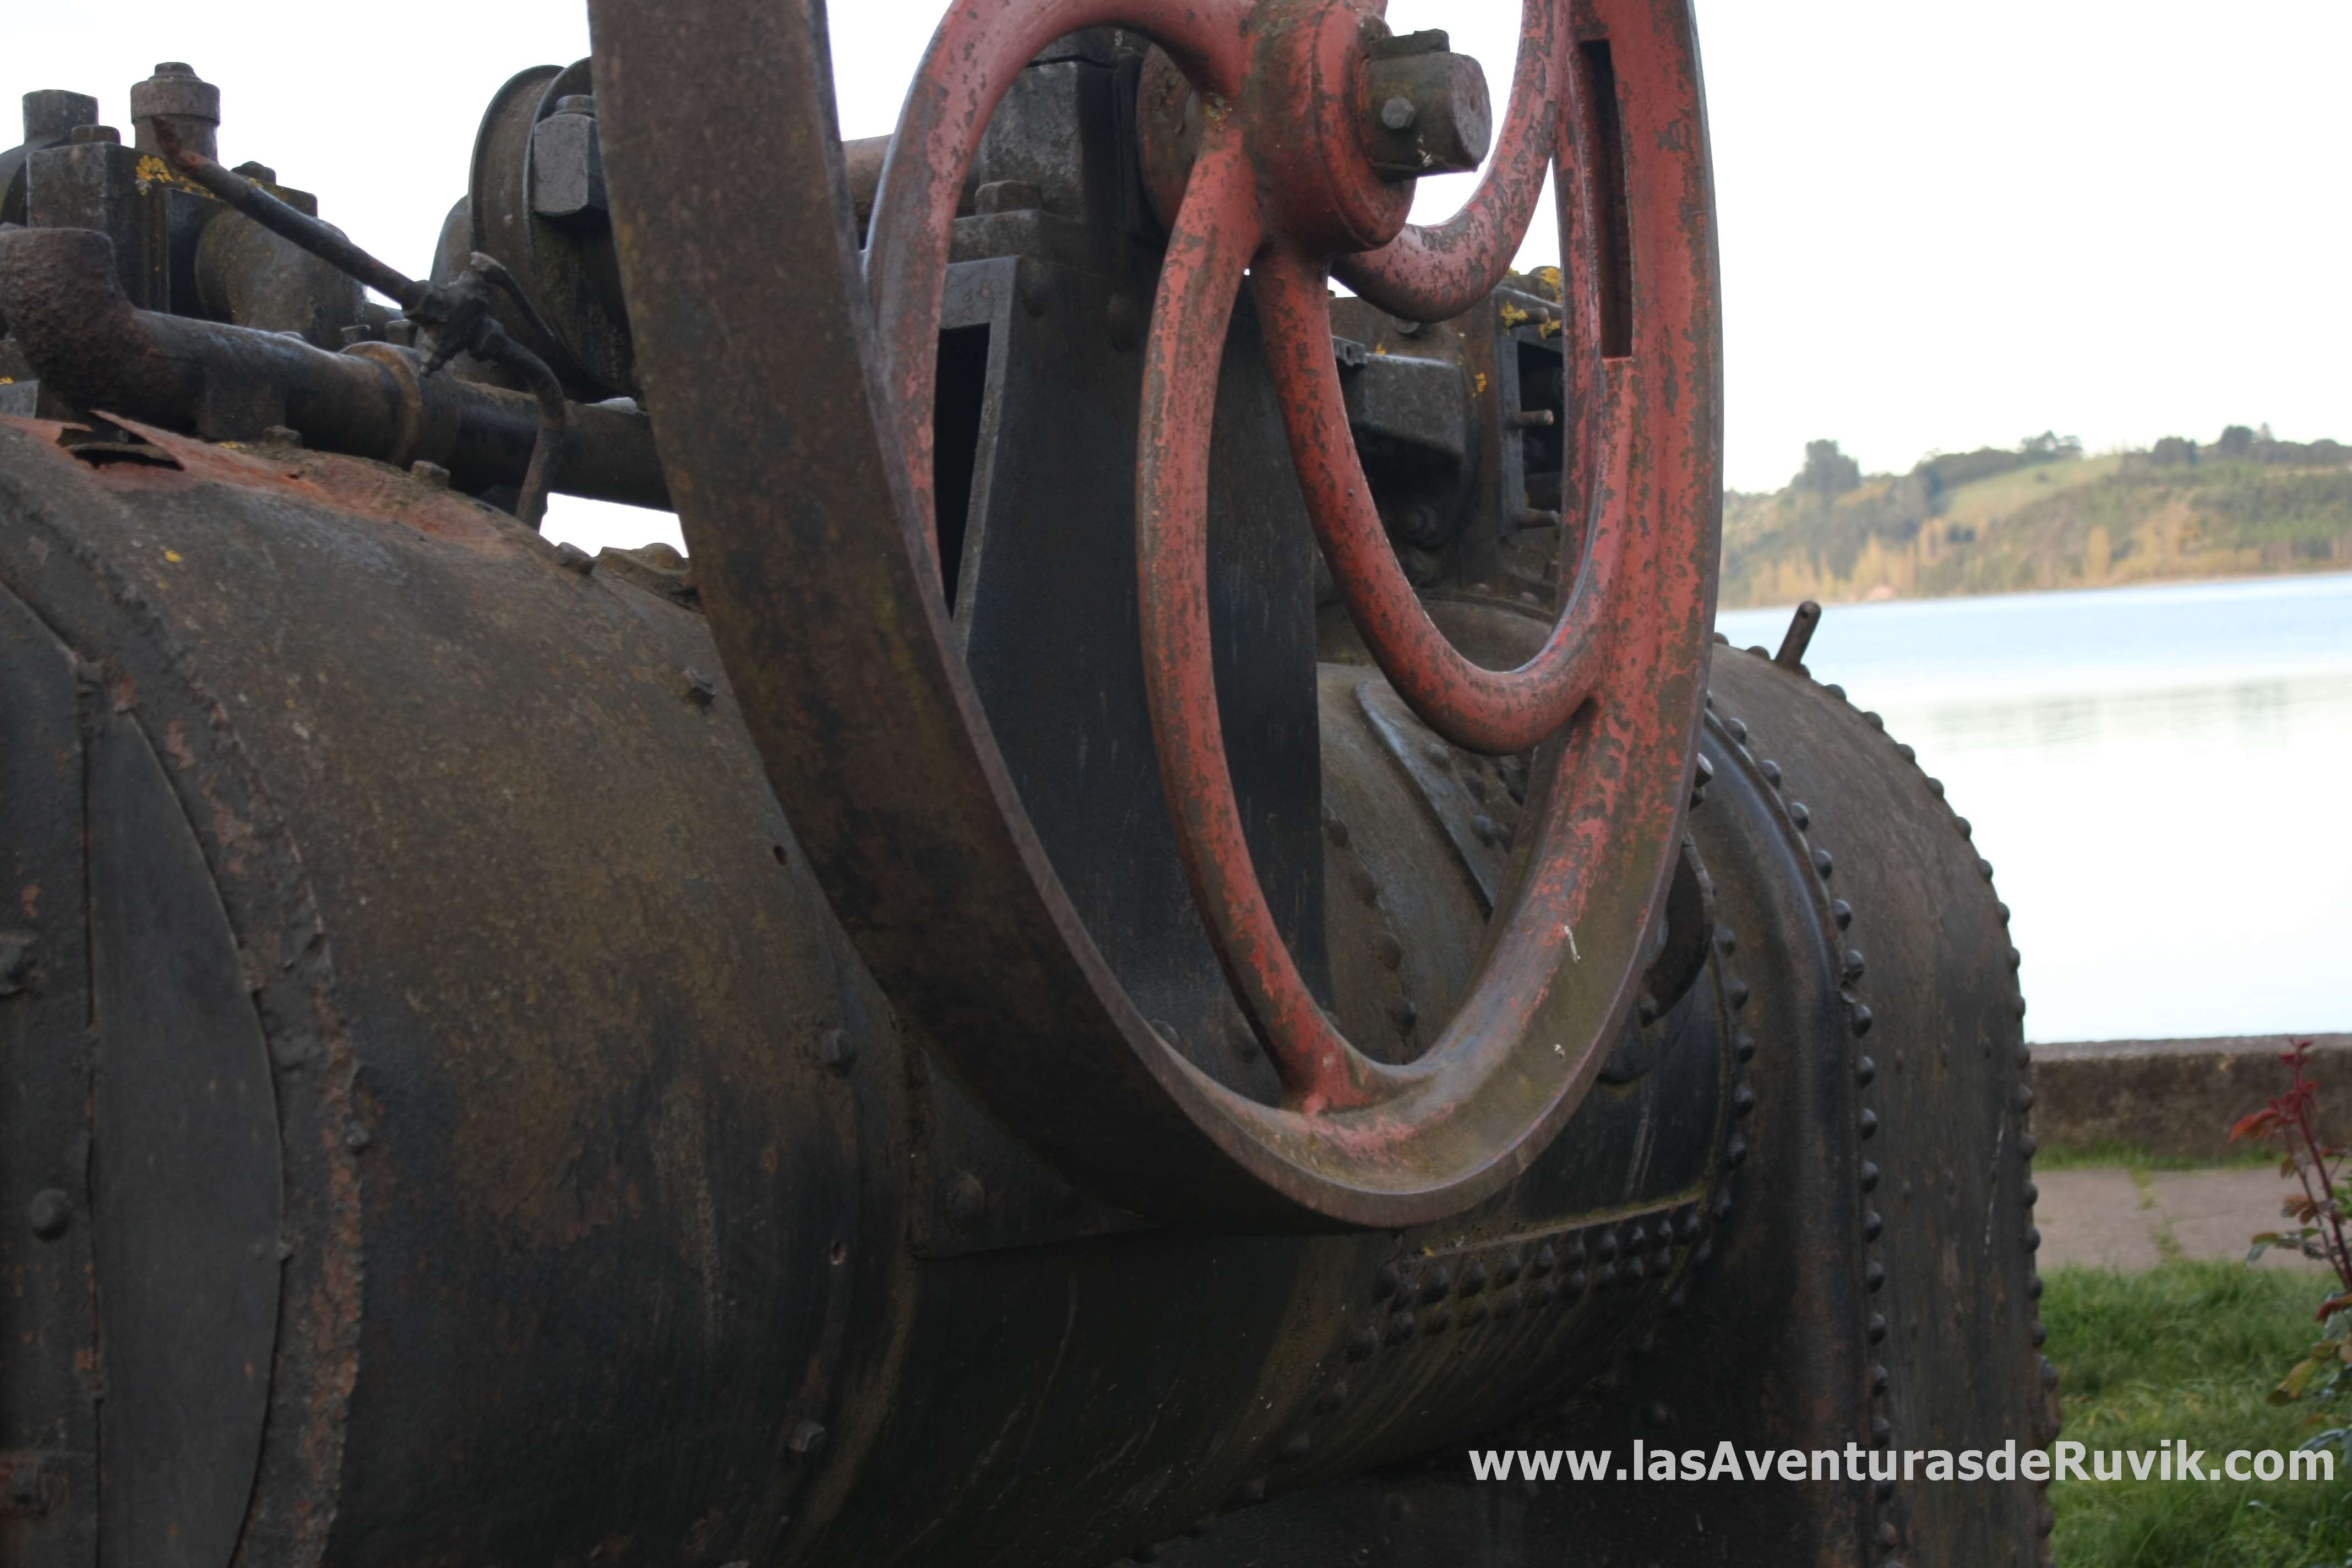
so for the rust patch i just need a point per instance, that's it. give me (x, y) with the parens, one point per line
(351, 485)
(176, 747)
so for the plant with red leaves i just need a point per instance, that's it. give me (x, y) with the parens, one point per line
(2319, 1209)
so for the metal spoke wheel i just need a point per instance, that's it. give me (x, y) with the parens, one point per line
(803, 481)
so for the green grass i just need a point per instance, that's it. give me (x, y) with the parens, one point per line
(2190, 1349)
(2108, 1155)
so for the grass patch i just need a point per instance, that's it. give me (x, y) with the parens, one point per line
(2108, 1155)
(2188, 1349)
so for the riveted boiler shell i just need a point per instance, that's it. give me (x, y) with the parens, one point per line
(458, 1000)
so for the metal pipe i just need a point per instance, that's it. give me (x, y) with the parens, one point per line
(88, 343)
(1800, 637)
(863, 156)
(457, 321)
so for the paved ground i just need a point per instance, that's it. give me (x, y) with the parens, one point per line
(2117, 1220)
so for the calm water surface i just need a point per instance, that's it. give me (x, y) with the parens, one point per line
(2158, 776)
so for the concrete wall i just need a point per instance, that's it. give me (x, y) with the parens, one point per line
(2177, 1097)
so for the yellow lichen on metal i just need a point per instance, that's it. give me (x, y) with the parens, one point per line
(153, 171)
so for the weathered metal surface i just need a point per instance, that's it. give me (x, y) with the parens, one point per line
(1297, 1164)
(867, 720)
(1046, 612)
(1428, 112)
(1886, 1198)
(635, 1204)
(564, 1174)
(186, 1188)
(48, 1423)
(590, 1215)
(1480, 829)
(456, 315)
(250, 277)
(1623, 769)
(94, 351)
(566, 263)
(1430, 273)
(175, 105)
(51, 115)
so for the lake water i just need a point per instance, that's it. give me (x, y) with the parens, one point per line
(2159, 776)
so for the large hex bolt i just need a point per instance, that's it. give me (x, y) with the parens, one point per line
(177, 95)
(567, 165)
(52, 114)
(1426, 110)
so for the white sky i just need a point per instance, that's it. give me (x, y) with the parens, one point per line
(1943, 225)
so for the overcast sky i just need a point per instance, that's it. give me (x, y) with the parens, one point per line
(1943, 225)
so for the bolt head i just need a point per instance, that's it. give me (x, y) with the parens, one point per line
(807, 1442)
(567, 171)
(967, 1198)
(53, 114)
(15, 963)
(1430, 112)
(50, 1212)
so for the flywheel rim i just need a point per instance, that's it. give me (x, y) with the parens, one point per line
(1452, 1129)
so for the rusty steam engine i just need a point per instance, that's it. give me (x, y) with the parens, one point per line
(1171, 919)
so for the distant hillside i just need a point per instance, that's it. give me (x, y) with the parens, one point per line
(2042, 516)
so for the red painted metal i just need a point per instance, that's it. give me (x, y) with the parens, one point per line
(1483, 709)
(1289, 206)
(979, 48)
(1023, 1007)
(1431, 273)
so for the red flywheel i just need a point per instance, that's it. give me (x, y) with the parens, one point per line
(1283, 191)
